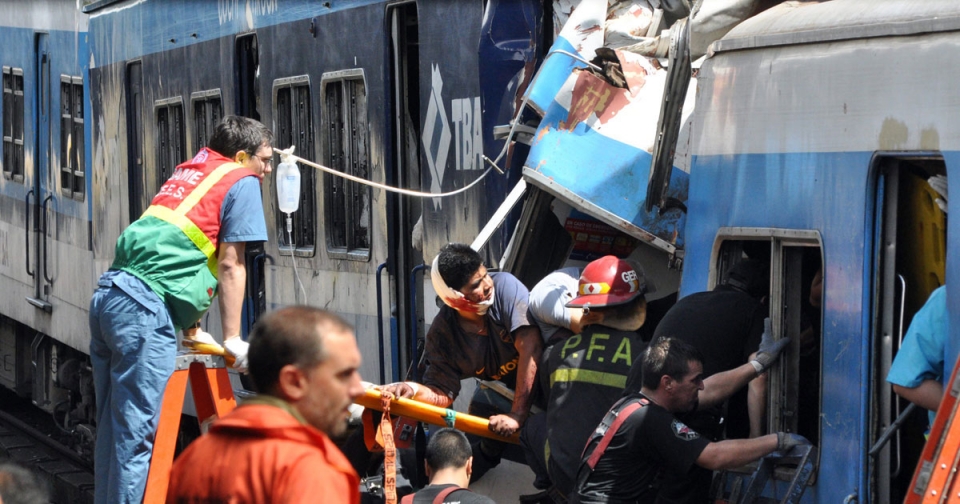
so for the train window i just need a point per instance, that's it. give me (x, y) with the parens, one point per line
(171, 138)
(294, 126)
(13, 123)
(345, 148)
(207, 112)
(794, 301)
(71, 137)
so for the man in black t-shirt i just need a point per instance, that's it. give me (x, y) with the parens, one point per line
(725, 325)
(651, 441)
(483, 332)
(584, 374)
(448, 465)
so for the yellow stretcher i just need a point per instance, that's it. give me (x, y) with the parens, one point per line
(435, 415)
(409, 408)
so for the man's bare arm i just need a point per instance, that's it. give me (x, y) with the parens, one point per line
(529, 345)
(232, 282)
(736, 452)
(927, 395)
(419, 392)
(719, 387)
(757, 404)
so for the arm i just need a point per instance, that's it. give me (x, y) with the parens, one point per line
(736, 452)
(530, 346)
(926, 395)
(419, 392)
(232, 281)
(719, 387)
(757, 404)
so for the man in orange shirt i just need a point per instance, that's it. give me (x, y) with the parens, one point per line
(275, 447)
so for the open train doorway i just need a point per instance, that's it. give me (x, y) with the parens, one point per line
(403, 213)
(247, 65)
(909, 264)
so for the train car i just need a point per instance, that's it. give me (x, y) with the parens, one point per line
(816, 130)
(45, 221)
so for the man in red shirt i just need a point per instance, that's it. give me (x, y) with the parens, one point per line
(275, 447)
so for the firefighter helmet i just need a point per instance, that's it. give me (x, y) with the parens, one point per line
(609, 281)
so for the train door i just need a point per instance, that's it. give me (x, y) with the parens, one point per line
(246, 88)
(909, 257)
(405, 258)
(41, 186)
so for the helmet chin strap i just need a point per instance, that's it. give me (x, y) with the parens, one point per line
(454, 298)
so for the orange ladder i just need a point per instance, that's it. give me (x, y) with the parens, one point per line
(935, 477)
(213, 398)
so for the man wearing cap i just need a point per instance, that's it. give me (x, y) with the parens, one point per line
(585, 373)
(482, 331)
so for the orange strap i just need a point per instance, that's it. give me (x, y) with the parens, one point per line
(608, 436)
(389, 453)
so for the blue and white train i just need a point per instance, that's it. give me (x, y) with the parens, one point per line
(806, 139)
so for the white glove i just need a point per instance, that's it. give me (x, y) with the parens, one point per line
(238, 349)
(202, 336)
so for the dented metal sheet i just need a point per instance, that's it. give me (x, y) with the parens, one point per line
(593, 149)
(582, 34)
(593, 145)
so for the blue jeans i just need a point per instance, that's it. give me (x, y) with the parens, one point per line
(133, 348)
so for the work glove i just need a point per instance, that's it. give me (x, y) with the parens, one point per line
(939, 184)
(787, 440)
(769, 349)
(238, 349)
(200, 336)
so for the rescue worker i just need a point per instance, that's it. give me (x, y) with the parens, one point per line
(449, 465)
(725, 325)
(631, 449)
(483, 331)
(919, 369)
(584, 374)
(276, 446)
(168, 266)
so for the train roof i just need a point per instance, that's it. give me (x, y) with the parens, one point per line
(793, 23)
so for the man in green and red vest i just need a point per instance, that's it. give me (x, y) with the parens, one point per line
(168, 266)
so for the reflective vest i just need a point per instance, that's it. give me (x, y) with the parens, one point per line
(172, 247)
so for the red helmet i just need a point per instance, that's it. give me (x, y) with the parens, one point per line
(609, 281)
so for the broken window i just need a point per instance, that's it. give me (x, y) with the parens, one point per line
(346, 145)
(294, 126)
(13, 123)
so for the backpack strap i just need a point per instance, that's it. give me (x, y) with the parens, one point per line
(622, 416)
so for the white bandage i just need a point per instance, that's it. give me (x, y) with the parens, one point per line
(415, 386)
